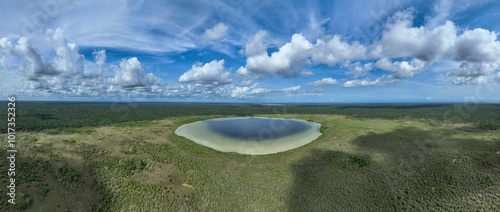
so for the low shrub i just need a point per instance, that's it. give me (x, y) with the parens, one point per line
(130, 166)
(69, 141)
(23, 201)
(356, 162)
(67, 174)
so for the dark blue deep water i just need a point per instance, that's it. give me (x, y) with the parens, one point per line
(257, 129)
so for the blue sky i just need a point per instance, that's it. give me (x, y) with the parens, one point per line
(250, 51)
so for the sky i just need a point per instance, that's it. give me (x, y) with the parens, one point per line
(250, 51)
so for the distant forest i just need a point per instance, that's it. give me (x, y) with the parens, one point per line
(39, 116)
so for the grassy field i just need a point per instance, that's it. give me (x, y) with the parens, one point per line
(357, 164)
(55, 117)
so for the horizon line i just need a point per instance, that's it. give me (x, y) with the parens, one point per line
(262, 103)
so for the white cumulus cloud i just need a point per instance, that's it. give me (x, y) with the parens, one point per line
(31, 62)
(100, 58)
(65, 73)
(217, 32)
(69, 62)
(287, 61)
(293, 89)
(401, 40)
(403, 69)
(132, 76)
(336, 50)
(357, 69)
(255, 45)
(324, 82)
(402, 50)
(384, 80)
(472, 73)
(212, 73)
(477, 45)
(244, 92)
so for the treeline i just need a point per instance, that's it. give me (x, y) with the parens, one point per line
(38, 116)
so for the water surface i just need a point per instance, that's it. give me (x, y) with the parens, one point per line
(257, 128)
(254, 136)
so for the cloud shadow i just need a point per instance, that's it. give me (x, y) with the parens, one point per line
(406, 169)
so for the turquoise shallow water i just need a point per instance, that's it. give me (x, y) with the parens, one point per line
(253, 136)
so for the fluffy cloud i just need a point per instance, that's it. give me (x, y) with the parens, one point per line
(478, 50)
(217, 32)
(305, 72)
(472, 73)
(132, 76)
(31, 63)
(244, 92)
(287, 61)
(100, 58)
(478, 45)
(293, 89)
(243, 72)
(402, 50)
(403, 69)
(384, 80)
(233, 91)
(65, 73)
(324, 82)
(69, 62)
(62, 75)
(335, 50)
(291, 57)
(255, 45)
(212, 73)
(357, 69)
(6, 47)
(401, 40)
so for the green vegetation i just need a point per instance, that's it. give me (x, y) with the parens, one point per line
(129, 166)
(79, 117)
(356, 162)
(370, 157)
(29, 139)
(23, 201)
(67, 174)
(70, 141)
(43, 189)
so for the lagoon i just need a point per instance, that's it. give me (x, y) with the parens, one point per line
(251, 135)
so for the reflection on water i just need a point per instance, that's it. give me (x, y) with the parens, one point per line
(251, 136)
(257, 129)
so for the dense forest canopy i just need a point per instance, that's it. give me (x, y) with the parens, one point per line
(38, 116)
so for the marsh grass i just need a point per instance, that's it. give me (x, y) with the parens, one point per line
(356, 165)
